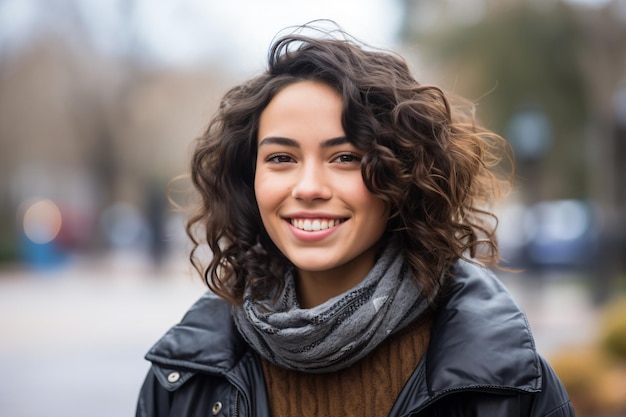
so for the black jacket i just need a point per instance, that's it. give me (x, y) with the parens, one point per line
(481, 361)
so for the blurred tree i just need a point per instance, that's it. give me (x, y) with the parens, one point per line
(520, 60)
(604, 63)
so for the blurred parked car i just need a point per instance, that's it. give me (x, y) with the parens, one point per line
(557, 234)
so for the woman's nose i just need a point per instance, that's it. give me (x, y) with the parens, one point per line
(311, 184)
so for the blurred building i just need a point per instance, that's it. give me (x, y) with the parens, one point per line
(88, 131)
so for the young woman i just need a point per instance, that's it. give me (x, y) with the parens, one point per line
(347, 210)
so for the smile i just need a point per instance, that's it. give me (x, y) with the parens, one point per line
(313, 225)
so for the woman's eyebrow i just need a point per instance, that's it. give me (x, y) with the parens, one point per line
(340, 140)
(278, 140)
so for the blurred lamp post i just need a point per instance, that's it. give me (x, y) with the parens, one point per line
(530, 133)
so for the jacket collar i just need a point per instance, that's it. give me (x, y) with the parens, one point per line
(205, 340)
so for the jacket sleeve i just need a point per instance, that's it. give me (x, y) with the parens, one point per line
(553, 400)
(154, 400)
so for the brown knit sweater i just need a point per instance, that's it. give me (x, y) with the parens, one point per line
(368, 388)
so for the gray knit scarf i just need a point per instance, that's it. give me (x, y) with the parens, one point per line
(339, 332)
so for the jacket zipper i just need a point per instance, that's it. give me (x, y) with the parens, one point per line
(239, 396)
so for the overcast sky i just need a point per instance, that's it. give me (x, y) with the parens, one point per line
(188, 31)
(246, 27)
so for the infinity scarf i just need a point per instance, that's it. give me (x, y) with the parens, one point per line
(339, 332)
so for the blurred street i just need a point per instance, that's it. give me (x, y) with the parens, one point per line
(73, 339)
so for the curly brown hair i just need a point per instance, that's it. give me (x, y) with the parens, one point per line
(429, 160)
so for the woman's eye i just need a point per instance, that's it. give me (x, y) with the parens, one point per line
(347, 158)
(279, 159)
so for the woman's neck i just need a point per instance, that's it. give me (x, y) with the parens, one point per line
(317, 287)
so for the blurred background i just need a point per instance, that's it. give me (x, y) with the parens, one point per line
(99, 103)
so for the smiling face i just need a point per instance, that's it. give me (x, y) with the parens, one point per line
(310, 192)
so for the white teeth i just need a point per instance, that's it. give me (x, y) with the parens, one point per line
(314, 225)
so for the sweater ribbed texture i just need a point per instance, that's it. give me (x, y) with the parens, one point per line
(368, 388)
